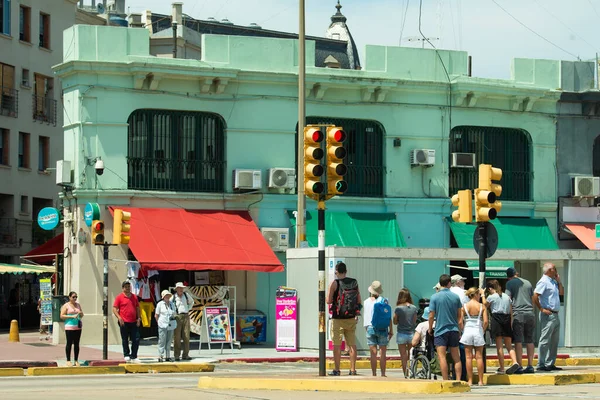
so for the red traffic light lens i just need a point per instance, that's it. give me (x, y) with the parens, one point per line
(339, 136)
(317, 136)
(99, 226)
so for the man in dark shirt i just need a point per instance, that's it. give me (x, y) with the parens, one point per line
(520, 292)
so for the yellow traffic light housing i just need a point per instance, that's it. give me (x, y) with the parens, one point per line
(121, 227)
(313, 162)
(486, 205)
(336, 169)
(464, 201)
(98, 232)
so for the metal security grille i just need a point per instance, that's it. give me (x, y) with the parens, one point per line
(181, 151)
(505, 148)
(364, 143)
(596, 157)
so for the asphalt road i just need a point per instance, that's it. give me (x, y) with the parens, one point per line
(161, 386)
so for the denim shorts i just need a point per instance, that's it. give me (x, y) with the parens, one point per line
(403, 338)
(379, 338)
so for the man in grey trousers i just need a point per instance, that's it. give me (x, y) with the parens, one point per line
(546, 298)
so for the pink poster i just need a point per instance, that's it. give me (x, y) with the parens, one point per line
(286, 311)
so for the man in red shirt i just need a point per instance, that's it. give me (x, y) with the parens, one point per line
(127, 310)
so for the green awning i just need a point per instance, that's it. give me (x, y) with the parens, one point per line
(352, 229)
(513, 233)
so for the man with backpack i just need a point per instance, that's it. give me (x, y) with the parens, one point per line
(345, 303)
(378, 324)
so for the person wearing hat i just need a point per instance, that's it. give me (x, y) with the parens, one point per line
(165, 318)
(183, 305)
(376, 338)
(127, 310)
(520, 292)
(437, 287)
(458, 287)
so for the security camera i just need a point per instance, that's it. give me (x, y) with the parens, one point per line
(99, 167)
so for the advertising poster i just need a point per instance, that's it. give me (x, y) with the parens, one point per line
(46, 301)
(286, 320)
(217, 322)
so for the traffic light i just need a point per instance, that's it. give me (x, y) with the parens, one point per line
(313, 162)
(98, 232)
(464, 201)
(121, 227)
(336, 169)
(486, 206)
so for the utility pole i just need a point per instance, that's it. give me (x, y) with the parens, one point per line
(105, 305)
(300, 218)
(322, 344)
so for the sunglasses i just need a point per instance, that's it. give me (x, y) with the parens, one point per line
(73, 297)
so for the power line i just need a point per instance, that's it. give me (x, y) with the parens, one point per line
(403, 22)
(594, 8)
(565, 25)
(532, 31)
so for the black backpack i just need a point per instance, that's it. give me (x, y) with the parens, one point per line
(347, 298)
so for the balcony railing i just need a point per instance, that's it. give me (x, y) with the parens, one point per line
(8, 232)
(44, 109)
(175, 175)
(9, 102)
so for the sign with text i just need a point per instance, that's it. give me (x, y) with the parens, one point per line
(217, 322)
(46, 301)
(286, 319)
(91, 212)
(48, 218)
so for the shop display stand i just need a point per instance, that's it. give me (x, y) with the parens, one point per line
(231, 305)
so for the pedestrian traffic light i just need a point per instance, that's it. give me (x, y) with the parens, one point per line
(98, 232)
(336, 169)
(121, 227)
(313, 162)
(464, 201)
(486, 206)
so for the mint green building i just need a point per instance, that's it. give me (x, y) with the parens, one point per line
(181, 133)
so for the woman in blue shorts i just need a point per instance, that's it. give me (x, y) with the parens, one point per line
(405, 319)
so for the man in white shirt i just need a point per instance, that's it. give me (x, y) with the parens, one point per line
(183, 305)
(458, 287)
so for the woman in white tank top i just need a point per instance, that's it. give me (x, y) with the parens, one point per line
(475, 323)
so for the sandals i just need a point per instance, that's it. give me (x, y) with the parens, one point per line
(334, 373)
(352, 373)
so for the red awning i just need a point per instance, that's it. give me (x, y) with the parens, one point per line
(586, 233)
(47, 250)
(170, 239)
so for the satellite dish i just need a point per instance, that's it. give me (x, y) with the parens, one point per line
(100, 8)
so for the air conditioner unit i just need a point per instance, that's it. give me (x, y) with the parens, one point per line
(63, 173)
(463, 160)
(277, 238)
(247, 179)
(282, 178)
(424, 157)
(585, 186)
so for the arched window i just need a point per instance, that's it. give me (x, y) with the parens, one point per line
(505, 148)
(596, 157)
(181, 151)
(364, 144)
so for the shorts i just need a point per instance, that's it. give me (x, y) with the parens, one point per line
(446, 339)
(523, 328)
(501, 325)
(403, 338)
(343, 329)
(472, 337)
(377, 338)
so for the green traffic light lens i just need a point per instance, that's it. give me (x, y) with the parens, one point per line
(341, 186)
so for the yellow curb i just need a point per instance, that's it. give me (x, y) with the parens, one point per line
(364, 364)
(538, 379)
(11, 372)
(40, 371)
(167, 368)
(334, 385)
(582, 361)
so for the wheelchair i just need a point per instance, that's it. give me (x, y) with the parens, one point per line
(425, 363)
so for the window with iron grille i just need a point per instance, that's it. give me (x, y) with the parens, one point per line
(364, 145)
(505, 148)
(181, 151)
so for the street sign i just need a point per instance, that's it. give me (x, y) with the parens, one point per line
(491, 274)
(492, 239)
(48, 218)
(91, 213)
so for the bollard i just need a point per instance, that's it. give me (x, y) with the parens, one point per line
(13, 335)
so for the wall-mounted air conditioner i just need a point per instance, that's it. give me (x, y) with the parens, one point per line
(247, 179)
(276, 237)
(282, 178)
(423, 157)
(463, 160)
(63, 173)
(585, 186)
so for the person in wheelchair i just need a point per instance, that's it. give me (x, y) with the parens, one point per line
(424, 360)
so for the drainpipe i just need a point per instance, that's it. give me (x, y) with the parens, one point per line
(469, 69)
(174, 24)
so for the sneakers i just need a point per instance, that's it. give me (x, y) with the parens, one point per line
(554, 368)
(127, 359)
(519, 371)
(161, 359)
(529, 370)
(500, 371)
(136, 361)
(544, 369)
(512, 369)
(186, 358)
(334, 373)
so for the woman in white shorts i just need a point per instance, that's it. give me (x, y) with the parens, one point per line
(476, 322)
